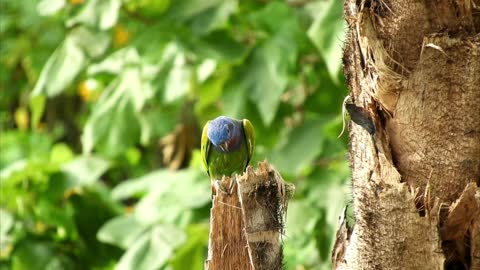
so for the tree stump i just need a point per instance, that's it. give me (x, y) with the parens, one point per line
(247, 221)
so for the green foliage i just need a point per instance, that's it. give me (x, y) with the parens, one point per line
(102, 102)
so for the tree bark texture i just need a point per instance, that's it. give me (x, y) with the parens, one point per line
(246, 221)
(413, 70)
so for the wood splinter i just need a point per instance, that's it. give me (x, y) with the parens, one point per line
(246, 224)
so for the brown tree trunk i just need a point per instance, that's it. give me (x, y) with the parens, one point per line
(413, 69)
(246, 221)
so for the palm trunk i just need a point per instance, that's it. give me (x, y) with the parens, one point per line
(413, 69)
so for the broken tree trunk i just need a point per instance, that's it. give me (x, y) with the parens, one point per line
(246, 221)
(413, 70)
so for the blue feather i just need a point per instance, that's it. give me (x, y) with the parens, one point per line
(223, 130)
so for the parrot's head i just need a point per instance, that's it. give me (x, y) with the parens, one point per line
(224, 132)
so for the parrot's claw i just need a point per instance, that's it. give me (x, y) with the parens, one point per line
(232, 185)
(218, 186)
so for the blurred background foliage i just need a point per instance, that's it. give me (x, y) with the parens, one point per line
(102, 103)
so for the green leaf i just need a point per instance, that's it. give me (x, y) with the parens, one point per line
(299, 147)
(49, 7)
(85, 170)
(331, 192)
(37, 107)
(132, 187)
(214, 18)
(55, 215)
(17, 145)
(327, 32)
(210, 92)
(184, 10)
(6, 223)
(218, 45)
(152, 249)
(133, 156)
(191, 254)
(112, 132)
(175, 73)
(149, 8)
(60, 70)
(169, 195)
(93, 208)
(161, 120)
(267, 73)
(179, 75)
(329, 195)
(68, 60)
(61, 153)
(92, 42)
(300, 249)
(268, 78)
(33, 255)
(13, 167)
(122, 231)
(235, 98)
(102, 14)
(114, 126)
(116, 62)
(205, 70)
(324, 240)
(170, 202)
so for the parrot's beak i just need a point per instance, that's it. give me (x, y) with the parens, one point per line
(224, 146)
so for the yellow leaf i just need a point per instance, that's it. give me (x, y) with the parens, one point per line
(76, 2)
(121, 36)
(88, 90)
(71, 192)
(40, 227)
(6, 250)
(129, 209)
(22, 118)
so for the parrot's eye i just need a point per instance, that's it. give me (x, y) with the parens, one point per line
(229, 129)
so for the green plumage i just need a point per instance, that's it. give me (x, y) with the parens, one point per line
(221, 164)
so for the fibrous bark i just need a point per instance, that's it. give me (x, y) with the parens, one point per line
(246, 221)
(413, 69)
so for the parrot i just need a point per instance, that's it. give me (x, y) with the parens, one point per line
(227, 147)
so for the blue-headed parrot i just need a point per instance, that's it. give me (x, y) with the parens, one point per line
(227, 147)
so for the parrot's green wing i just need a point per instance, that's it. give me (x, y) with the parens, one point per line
(205, 148)
(249, 138)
